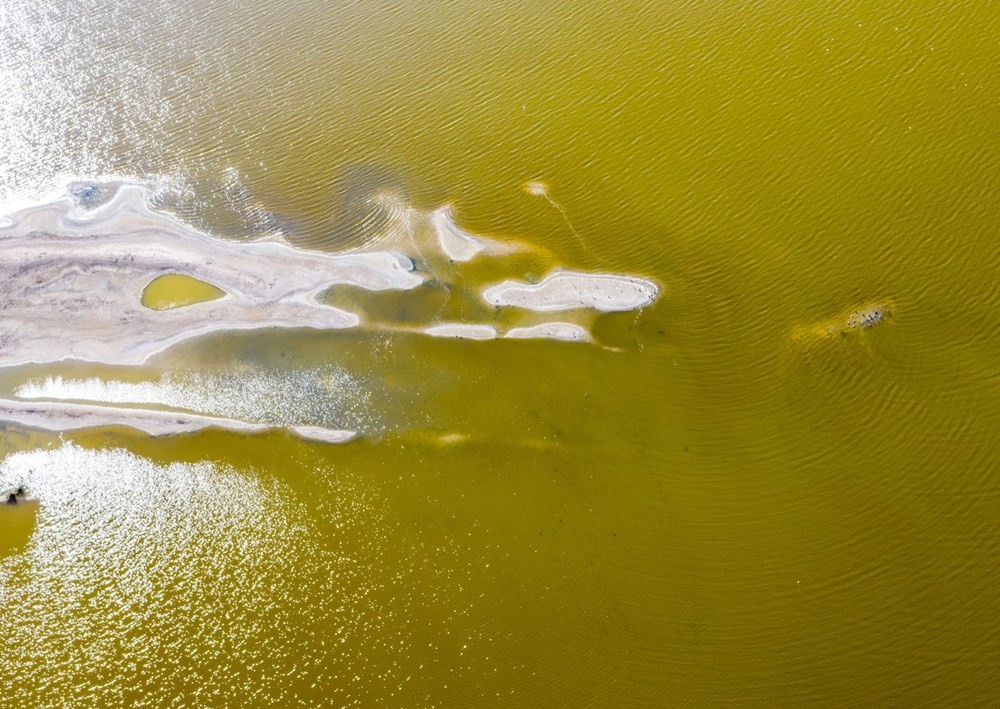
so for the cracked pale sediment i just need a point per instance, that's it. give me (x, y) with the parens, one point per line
(575, 290)
(564, 331)
(64, 416)
(73, 283)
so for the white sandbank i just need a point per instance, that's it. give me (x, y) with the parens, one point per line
(323, 435)
(564, 331)
(463, 331)
(575, 290)
(73, 280)
(64, 416)
(459, 245)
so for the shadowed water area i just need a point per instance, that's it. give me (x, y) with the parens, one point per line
(774, 483)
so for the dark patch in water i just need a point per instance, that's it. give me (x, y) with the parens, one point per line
(367, 199)
(223, 206)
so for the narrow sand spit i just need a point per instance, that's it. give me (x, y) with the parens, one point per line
(63, 416)
(463, 330)
(575, 290)
(459, 245)
(73, 284)
(565, 331)
(323, 435)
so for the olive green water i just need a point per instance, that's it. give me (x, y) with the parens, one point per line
(729, 508)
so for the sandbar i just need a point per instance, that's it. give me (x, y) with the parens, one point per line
(463, 331)
(575, 290)
(459, 245)
(73, 282)
(323, 435)
(567, 332)
(74, 272)
(64, 416)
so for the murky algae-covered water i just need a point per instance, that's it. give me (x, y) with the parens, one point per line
(777, 485)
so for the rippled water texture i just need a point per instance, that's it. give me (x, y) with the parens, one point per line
(776, 485)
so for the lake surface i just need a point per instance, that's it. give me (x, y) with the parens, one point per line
(732, 499)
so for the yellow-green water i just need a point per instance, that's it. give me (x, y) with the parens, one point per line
(733, 508)
(175, 290)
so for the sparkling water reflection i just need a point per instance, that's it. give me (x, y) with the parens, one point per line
(196, 576)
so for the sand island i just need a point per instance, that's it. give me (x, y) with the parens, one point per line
(88, 280)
